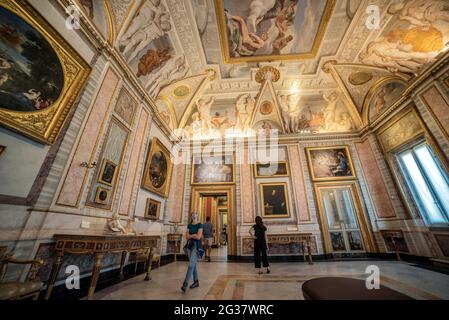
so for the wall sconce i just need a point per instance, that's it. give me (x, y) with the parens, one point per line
(88, 166)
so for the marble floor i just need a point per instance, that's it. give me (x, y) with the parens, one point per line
(239, 281)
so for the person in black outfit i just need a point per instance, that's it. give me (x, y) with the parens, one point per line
(259, 232)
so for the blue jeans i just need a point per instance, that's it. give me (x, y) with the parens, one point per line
(192, 269)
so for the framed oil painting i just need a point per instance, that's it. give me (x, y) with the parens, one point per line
(152, 209)
(158, 169)
(102, 196)
(272, 169)
(355, 241)
(272, 30)
(338, 242)
(213, 170)
(330, 163)
(41, 75)
(107, 172)
(274, 200)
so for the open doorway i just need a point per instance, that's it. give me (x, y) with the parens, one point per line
(216, 203)
(215, 207)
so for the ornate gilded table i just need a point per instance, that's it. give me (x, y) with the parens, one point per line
(99, 246)
(304, 239)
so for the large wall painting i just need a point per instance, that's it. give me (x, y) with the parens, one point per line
(40, 75)
(417, 33)
(330, 163)
(158, 169)
(272, 29)
(213, 170)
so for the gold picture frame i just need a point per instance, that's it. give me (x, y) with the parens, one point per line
(2, 149)
(224, 39)
(257, 174)
(152, 205)
(194, 180)
(106, 177)
(341, 169)
(45, 121)
(158, 159)
(102, 196)
(265, 188)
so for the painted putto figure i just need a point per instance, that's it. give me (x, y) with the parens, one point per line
(174, 70)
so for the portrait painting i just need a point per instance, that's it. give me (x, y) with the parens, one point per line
(158, 169)
(271, 169)
(102, 196)
(330, 163)
(384, 97)
(272, 29)
(40, 75)
(338, 242)
(107, 172)
(152, 209)
(213, 170)
(274, 200)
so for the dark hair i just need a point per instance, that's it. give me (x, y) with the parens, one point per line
(207, 219)
(259, 221)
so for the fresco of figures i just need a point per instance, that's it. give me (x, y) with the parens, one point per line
(323, 113)
(316, 114)
(213, 120)
(272, 27)
(384, 97)
(418, 32)
(148, 48)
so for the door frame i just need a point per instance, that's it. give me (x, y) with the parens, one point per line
(361, 214)
(212, 190)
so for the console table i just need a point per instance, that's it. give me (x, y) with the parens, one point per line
(303, 239)
(99, 246)
(174, 241)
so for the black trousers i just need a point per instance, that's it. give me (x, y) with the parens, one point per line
(260, 248)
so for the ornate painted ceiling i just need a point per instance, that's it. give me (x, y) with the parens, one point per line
(300, 66)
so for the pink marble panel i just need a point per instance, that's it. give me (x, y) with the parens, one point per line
(176, 196)
(438, 106)
(74, 180)
(376, 184)
(133, 164)
(246, 187)
(298, 184)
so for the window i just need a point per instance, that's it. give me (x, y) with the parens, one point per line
(428, 183)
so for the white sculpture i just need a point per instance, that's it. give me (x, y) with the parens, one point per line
(115, 225)
(290, 112)
(176, 69)
(204, 109)
(243, 109)
(152, 22)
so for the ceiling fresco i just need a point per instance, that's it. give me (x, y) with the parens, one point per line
(199, 60)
